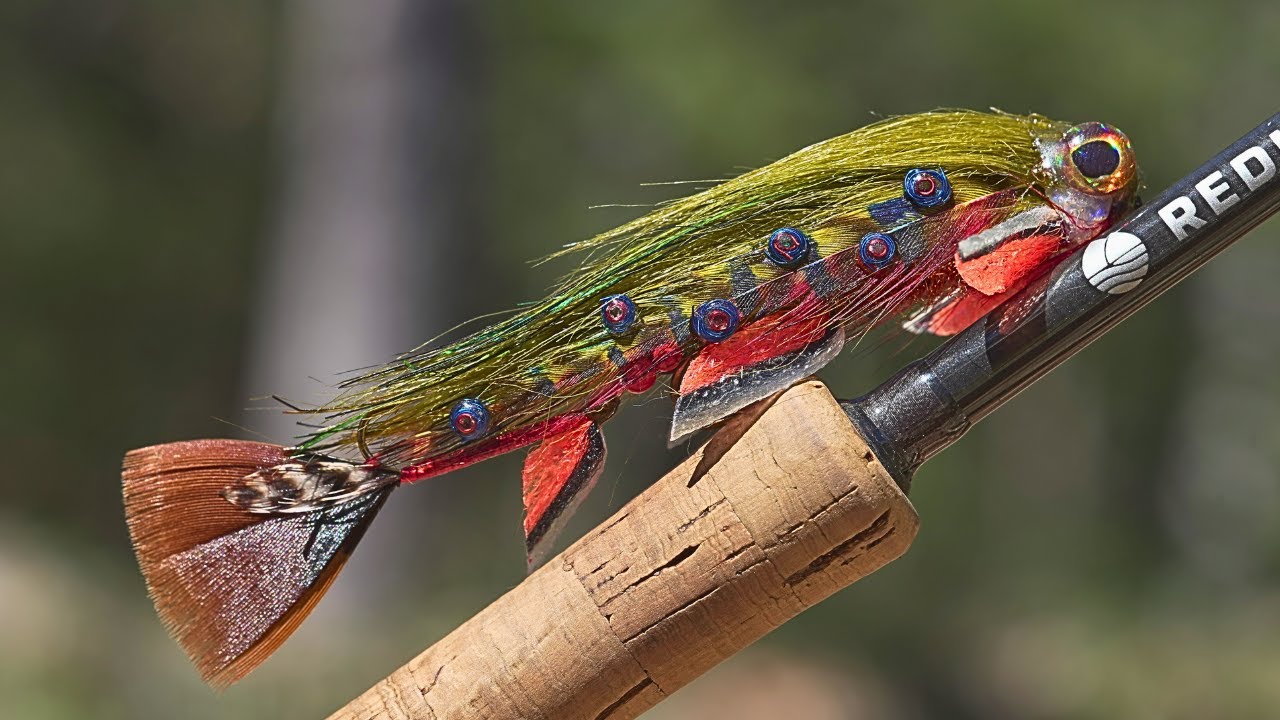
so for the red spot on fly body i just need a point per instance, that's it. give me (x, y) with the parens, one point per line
(641, 373)
(788, 290)
(465, 423)
(718, 320)
(667, 357)
(878, 248)
(616, 310)
(925, 185)
(638, 377)
(490, 447)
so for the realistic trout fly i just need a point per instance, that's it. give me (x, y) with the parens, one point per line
(736, 293)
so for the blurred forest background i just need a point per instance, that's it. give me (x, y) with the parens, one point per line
(205, 202)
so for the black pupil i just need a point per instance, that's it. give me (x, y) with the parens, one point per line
(1096, 159)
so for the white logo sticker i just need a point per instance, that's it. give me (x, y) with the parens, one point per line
(1116, 263)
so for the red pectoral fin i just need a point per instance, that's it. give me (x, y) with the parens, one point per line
(558, 474)
(766, 357)
(1001, 270)
(1001, 257)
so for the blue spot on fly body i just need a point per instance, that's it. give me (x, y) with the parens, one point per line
(922, 189)
(618, 313)
(787, 247)
(877, 250)
(716, 320)
(926, 189)
(893, 212)
(470, 419)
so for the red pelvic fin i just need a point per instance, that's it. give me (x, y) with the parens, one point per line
(558, 474)
(231, 584)
(764, 358)
(954, 313)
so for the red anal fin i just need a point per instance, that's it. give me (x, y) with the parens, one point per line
(764, 358)
(558, 474)
(230, 584)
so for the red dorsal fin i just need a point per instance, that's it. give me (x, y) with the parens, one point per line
(558, 474)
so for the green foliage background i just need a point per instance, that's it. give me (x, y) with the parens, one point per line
(1108, 545)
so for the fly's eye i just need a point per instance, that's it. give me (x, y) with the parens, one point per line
(1096, 158)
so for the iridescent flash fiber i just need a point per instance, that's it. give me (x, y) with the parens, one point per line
(668, 262)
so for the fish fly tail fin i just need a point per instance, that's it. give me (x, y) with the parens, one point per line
(238, 540)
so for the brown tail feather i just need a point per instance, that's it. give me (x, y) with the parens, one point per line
(229, 584)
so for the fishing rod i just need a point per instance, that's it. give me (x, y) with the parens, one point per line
(932, 402)
(790, 501)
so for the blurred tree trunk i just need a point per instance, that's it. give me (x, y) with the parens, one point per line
(367, 194)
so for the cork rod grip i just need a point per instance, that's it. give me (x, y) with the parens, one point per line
(776, 512)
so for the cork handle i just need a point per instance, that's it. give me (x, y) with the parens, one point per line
(776, 512)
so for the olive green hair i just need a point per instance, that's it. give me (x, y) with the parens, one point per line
(677, 253)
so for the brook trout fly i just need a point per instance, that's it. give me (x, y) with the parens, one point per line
(736, 293)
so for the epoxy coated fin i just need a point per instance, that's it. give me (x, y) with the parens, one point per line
(767, 357)
(558, 474)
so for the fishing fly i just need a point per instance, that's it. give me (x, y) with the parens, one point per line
(735, 293)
